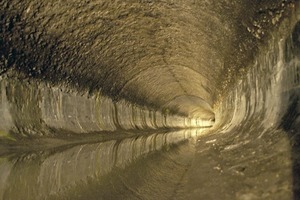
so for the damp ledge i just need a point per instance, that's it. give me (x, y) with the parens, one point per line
(34, 109)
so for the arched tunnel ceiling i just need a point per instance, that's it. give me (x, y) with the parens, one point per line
(169, 55)
(83, 84)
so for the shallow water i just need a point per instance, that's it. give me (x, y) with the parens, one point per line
(75, 137)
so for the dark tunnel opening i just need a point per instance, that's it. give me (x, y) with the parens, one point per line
(149, 99)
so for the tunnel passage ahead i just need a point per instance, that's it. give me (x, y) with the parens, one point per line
(149, 53)
(99, 90)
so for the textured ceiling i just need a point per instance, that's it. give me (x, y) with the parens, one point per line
(177, 56)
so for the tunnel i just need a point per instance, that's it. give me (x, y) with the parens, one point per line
(149, 99)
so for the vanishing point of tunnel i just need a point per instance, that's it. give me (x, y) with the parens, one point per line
(149, 99)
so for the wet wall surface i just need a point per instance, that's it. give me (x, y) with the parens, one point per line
(149, 100)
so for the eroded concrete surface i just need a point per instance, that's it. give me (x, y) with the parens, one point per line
(149, 100)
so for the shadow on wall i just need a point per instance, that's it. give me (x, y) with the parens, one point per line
(291, 124)
(291, 119)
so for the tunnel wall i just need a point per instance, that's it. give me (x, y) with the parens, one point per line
(248, 154)
(262, 96)
(179, 56)
(33, 109)
(254, 145)
(65, 80)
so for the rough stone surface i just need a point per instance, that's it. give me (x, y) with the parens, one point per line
(138, 50)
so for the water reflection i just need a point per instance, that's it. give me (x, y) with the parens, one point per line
(132, 168)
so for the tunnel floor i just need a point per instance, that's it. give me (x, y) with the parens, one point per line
(186, 164)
